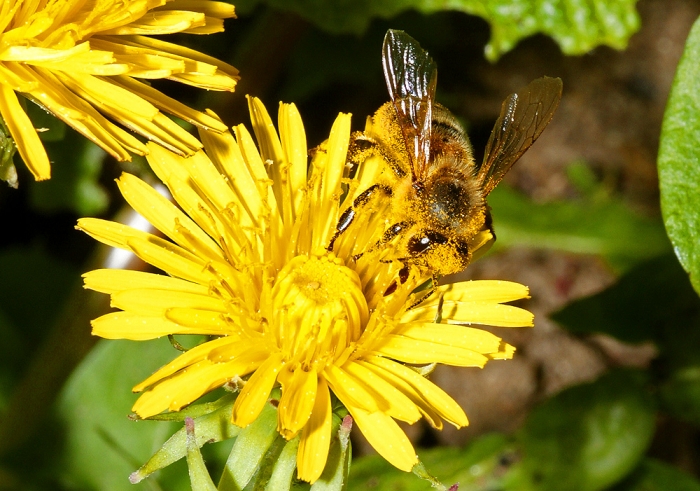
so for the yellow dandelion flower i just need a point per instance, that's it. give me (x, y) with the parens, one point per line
(80, 60)
(247, 263)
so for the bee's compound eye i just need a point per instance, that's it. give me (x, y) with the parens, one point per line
(397, 228)
(418, 243)
(362, 144)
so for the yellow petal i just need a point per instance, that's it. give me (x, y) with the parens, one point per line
(272, 154)
(171, 170)
(187, 53)
(316, 436)
(486, 291)
(31, 54)
(293, 139)
(76, 112)
(184, 387)
(166, 217)
(265, 134)
(397, 405)
(248, 347)
(28, 143)
(159, 22)
(386, 438)
(199, 321)
(226, 155)
(331, 164)
(424, 406)
(125, 325)
(108, 94)
(170, 258)
(348, 390)
(114, 280)
(219, 10)
(191, 383)
(170, 105)
(111, 233)
(256, 391)
(446, 407)
(410, 350)
(297, 401)
(256, 168)
(190, 357)
(488, 314)
(155, 302)
(459, 336)
(505, 352)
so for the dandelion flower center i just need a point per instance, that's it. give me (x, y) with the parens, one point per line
(318, 310)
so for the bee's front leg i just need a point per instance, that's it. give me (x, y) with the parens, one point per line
(424, 296)
(348, 216)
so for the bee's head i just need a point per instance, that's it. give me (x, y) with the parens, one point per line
(442, 254)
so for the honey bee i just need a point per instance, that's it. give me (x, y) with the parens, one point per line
(437, 192)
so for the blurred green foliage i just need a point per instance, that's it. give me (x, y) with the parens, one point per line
(585, 438)
(598, 223)
(578, 27)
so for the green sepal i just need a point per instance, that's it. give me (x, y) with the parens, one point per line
(8, 172)
(251, 447)
(194, 411)
(335, 474)
(282, 469)
(199, 475)
(420, 471)
(214, 426)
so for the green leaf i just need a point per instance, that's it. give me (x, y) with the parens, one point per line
(653, 475)
(102, 445)
(587, 437)
(653, 302)
(599, 224)
(577, 26)
(680, 394)
(679, 160)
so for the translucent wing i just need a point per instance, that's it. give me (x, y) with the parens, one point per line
(411, 76)
(524, 115)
